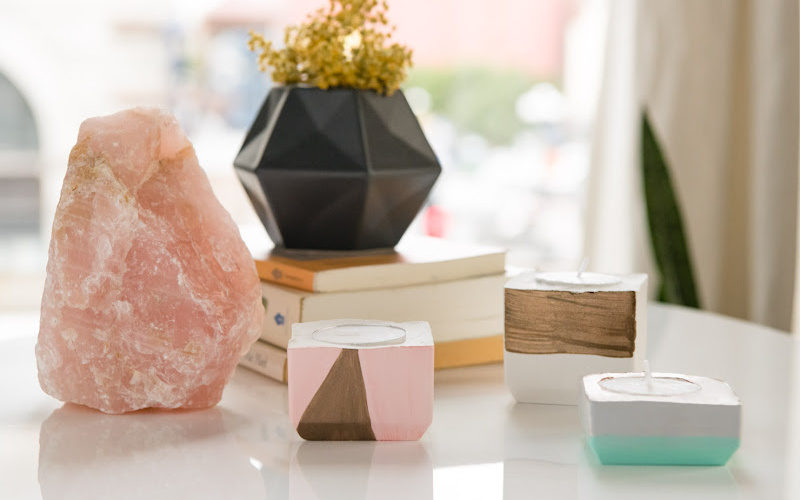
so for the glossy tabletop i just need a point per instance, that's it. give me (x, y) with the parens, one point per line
(481, 444)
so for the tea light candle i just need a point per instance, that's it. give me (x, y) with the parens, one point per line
(562, 326)
(579, 278)
(354, 379)
(575, 279)
(660, 419)
(361, 334)
(647, 385)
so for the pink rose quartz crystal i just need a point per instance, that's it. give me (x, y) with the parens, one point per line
(151, 295)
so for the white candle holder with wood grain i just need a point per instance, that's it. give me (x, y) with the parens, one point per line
(560, 327)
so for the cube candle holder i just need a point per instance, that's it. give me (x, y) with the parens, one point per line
(355, 379)
(672, 420)
(562, 326)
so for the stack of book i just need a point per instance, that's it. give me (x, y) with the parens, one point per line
(457, 288)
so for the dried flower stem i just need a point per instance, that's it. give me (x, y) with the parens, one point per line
(346, 44)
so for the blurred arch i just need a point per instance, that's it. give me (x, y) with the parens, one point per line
(20, 206)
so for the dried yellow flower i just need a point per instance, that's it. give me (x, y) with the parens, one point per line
(346, 44)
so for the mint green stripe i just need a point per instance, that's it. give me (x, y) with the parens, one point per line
(663, 450)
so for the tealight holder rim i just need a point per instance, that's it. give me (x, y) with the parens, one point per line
(316, 335)
(546, 277)
(695, 386)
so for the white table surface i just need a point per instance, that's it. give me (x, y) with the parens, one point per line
(481, 444)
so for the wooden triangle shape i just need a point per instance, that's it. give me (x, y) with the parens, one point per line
(338, 411)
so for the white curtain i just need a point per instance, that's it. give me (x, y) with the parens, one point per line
(719, 80)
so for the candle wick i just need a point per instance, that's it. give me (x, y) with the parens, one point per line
(583, 266)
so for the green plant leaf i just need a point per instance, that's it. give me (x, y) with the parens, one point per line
(677, 285)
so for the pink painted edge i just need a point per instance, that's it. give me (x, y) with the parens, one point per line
(399, 386)
(308, 367)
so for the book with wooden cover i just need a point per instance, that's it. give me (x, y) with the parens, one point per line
(416, 260)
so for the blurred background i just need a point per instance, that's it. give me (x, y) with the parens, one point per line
(532, 107)
(501, 93)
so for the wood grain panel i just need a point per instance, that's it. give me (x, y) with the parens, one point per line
(338, 411)
(549, 322)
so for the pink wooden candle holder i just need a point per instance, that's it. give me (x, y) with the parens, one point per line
(361, 380)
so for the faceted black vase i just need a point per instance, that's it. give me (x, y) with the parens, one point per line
(337, 169)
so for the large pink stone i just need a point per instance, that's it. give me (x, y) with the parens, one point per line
(151, 295)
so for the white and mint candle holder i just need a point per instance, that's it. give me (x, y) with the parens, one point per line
(660, 419)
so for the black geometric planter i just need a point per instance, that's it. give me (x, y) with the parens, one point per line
(337, 169)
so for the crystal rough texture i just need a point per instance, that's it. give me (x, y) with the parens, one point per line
(151, 295)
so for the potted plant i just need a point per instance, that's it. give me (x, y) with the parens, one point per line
(336, 159)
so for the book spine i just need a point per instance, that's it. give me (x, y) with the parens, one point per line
(283, 307)
(267, 360)
(468, 352)
(271, 361)
(285, 274)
